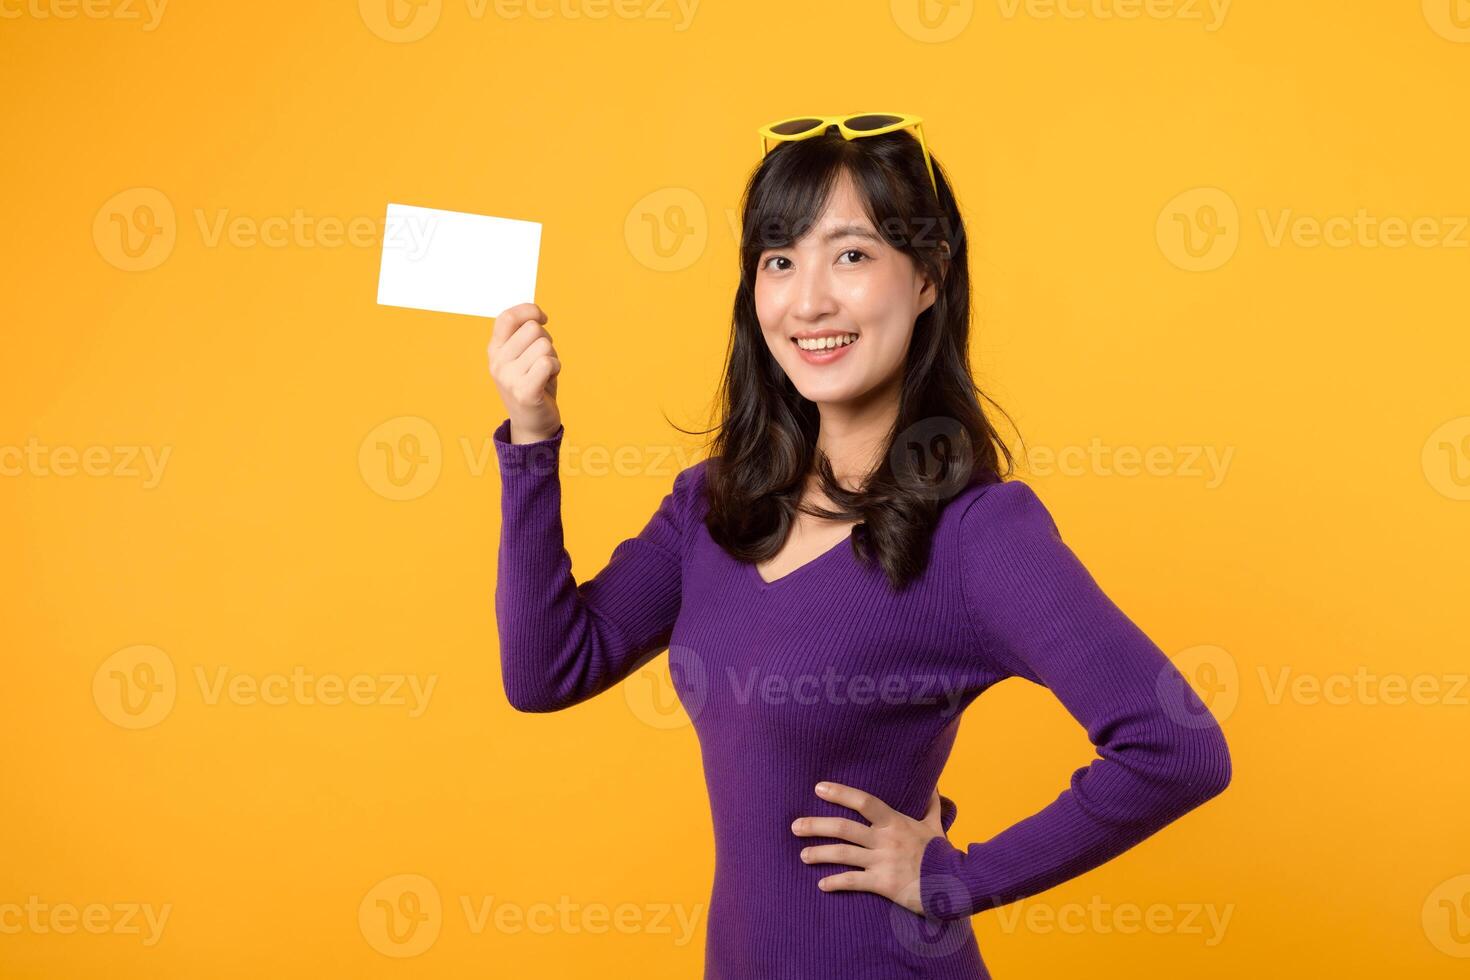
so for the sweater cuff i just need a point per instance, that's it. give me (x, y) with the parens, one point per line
(540, 458)
(948, 810)
(942, 892)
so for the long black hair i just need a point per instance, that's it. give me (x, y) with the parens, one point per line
(765, 446)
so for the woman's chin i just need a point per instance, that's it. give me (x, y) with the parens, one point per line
(827, 391)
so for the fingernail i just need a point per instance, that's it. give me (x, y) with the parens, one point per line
(823, 788)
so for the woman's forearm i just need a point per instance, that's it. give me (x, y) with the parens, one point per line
(1037, 613)
(562, 642)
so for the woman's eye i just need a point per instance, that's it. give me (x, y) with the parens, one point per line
(774, 258)
(855, 251)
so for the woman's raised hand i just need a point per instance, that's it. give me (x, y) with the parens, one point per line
(524, 365)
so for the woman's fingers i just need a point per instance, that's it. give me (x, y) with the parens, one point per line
(509, 320)
(527, 335)
(536, 378)
(510, 354)
(887, 852)
(523, 359)
(533, 369)
(524, 365)
(848, 881)
(834, 827)
(530, 350)
(867, 804)
(862, 857)
(517, 342)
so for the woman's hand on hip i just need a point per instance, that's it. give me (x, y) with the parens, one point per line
(888, 851)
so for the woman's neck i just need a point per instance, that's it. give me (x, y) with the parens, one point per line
(854, 435)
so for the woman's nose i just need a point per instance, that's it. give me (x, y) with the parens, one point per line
(814, 298)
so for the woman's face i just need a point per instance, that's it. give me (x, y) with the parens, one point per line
(840, 284)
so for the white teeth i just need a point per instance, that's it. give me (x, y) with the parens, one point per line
(824, 343)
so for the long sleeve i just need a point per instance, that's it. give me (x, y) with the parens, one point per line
(1037, 612)
(562, 642)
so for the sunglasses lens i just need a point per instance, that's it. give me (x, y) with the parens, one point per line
(794, 126)
(864, 123)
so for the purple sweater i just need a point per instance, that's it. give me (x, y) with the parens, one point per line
(828, 673)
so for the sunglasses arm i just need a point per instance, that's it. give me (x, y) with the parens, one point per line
(928, 160)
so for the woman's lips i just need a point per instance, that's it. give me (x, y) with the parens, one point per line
(824, 356)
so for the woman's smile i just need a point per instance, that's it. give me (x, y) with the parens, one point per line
(825, 346)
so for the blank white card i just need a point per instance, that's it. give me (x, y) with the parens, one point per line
(455, 262)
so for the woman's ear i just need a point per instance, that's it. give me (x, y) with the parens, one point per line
(944, 255)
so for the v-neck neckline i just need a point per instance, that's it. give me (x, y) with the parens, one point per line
(762, 584)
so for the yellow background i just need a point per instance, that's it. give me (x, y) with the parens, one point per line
(1082, 149)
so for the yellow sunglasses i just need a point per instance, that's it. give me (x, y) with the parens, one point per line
(851, 127)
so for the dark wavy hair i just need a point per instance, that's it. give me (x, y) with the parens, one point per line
(765, 447)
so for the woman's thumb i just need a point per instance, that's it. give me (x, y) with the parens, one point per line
(931, 815)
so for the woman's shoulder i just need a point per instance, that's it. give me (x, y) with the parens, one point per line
(999, 507)
(689, 488)
(694, 475)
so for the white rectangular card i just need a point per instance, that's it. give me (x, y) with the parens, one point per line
(455, 262)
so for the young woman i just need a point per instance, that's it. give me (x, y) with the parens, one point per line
(837, 581)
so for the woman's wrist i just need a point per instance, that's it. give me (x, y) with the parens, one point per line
(539, 458)
(521, 436)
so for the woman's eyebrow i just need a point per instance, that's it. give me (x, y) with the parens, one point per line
(851, 231)
(845, 231)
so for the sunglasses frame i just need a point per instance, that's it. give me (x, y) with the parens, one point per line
(904, 121)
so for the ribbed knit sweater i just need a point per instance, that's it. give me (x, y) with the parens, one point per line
(828, 673)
